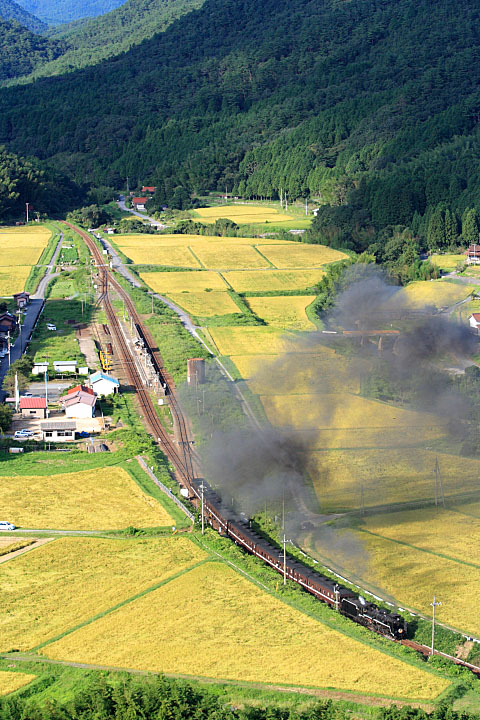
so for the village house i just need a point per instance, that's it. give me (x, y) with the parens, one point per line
(33, 407)
(58, 430)
(139, 203)
(103, 384)
(473, 255)
(8, 322)
(40, 368)
(79, 404)
(22, 299)
(149, 189)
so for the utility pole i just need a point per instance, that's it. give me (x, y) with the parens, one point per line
(8, 345)
(152, 303)
(284, 545)
(306, 206)
(203, 519)
(46, 390)
(435, 604)
(438, 484)
(128, 187)
(27, 206)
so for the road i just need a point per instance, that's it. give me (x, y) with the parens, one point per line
(31, 316)
(142, 216)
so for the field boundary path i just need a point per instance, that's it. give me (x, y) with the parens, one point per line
(164, 488)
(34, 310)
(15, 553)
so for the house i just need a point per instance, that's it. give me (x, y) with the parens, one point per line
(103, 384)
(474, 321)
(65, 366)
(140, 202)
(40, 368)
(58, 430)
(22, 299)
(473, 255)
(148, 189)
(79, 404)
(33, 407)
(110, 231)
(8, 321)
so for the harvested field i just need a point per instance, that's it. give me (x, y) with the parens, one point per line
(300, 255)
(263, 280)
(13, 279)
(272, 642)
(242, 214)
(383, 475)
(59, 585)
(177, 282)
(11, 681)
(203, 304)
(229, 257)
(102, 499)
(283, 311)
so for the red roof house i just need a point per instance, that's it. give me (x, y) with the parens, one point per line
(83, 388)
(148, 188)
(140, 202)
(33, 407)
(473, 255)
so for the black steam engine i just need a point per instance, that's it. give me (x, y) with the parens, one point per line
(346, 601)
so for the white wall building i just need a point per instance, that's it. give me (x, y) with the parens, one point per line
(79, 405)
(103, 384)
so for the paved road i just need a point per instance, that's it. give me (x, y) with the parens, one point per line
(142, 216)
(31, 316)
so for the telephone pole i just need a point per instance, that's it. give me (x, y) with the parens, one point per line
(435, 604)
(203, 519)
(27, 205)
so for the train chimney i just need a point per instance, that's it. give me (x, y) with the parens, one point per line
(196, 371)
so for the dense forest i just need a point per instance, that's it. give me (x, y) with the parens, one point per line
(368, 106)
(10, 10)
(54, 12)
(21, 50)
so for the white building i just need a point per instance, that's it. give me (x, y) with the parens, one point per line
(40, 368)
(65, 366)
(79, 404)
(103, 384)
(474, 321)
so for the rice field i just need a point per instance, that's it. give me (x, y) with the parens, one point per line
(169, 255)
(301, 255)
(190, 240)
(100, 499)
(262, 280)
(230, 257)
(203, 304)
(284, 311)
(235, 631)
(177, 282)
(13, 279)
(11, 681)
(448, 261)
(243, 214)
(55, 587)
(434, 292)
(252, 340)
(376, 475)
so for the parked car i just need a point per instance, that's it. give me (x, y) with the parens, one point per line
(23, 433)
(51, 326)
(4, 525)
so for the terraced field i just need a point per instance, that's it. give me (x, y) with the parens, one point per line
(205, 304)
(11, 681)
(177, 282)
(240, 633)
(439, 293)
(90, 500)
(20, 248)
(284, 311)
(278, 280)
(243, 214)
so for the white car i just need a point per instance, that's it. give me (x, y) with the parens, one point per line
(23, 433)
(4, 525)
(50, 326)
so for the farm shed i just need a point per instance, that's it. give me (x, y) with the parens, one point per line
(33, 407)
(65, 366)
(103, 384)
(40, 368)
(58, 430)
(79, 404)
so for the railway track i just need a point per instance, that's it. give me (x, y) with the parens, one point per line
(179, 455)
(427, 651)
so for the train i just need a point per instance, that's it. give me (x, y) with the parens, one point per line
(229, 524)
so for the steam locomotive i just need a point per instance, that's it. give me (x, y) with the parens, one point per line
(346, 601)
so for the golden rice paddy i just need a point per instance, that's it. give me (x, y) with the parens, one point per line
(20, 248)
(252, 340)
(65, 582)
(164, 255)
(283, 311)
(100, 499)
(11, 681)
(205, 304)
(237, 632)
(347, 478)
(177, 282)
(435, 292)
(229, 257)
(262, 280)
(448, 261)
(242, 214)
(13, 279)
(300, 255)
(189, 240)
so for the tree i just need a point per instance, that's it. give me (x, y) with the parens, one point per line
(436, 237)
(470, 226)
(6, 414)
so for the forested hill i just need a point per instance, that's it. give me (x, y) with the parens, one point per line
(10, 10)
(371, 102)
(91, 41)
(54, 12)
(21, 50)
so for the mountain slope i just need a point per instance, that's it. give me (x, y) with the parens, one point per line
(373, 101)
(54, 12)
(10, 10)
(21, 50)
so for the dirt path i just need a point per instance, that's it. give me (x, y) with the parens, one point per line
(15, 553)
